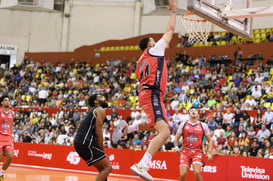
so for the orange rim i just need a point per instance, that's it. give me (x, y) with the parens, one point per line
(184, 16)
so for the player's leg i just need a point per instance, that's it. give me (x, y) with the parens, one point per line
(197, 171)
(156, 118)
(184, 164)
(7, 162)
(143, 127)
(159, 120)
(141, 168)
(163, 133)
(104, 168)
(94, 156)
(1, 171)
(183, 169)
(197, 163)
(122, 128)
(6, 149)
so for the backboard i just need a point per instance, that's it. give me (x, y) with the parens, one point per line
(216, 10)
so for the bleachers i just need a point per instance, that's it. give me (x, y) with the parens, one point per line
(258, 36)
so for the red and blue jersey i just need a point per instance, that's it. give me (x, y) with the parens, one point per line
(151, 72)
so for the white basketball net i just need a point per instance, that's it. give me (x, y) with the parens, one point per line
(197, 28)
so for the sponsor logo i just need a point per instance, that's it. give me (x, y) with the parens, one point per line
(43, 155)
(158, 73)
(158, 164)
(155, 101)
(254, 173)
(7, 47)
(208, 169)
(198, 129)
(192, 139)
(158, 112)
(16, 153)
(73, 158)
(6, 125)
(115, 164)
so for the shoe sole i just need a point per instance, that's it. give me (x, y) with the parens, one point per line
(120, 129)
(137, 174)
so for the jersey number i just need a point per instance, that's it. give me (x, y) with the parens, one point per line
(146, 71)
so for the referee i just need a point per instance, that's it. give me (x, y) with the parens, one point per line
(88, 141)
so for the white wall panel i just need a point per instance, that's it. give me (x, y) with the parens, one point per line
(90, 22)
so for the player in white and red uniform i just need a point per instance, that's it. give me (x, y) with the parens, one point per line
(6, 145)
(193, 132)
(151, 72)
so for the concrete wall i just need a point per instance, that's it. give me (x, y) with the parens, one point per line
(88, 22)
(30, 31)
(93, 22)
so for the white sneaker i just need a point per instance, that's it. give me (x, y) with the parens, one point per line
(141, 172)
(120, 131)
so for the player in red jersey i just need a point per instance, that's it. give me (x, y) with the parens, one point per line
(193, 132)
(6, 145)
(151, 72)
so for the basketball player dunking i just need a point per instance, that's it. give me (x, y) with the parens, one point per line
(151, 72)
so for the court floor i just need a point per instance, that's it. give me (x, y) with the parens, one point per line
(34, 174)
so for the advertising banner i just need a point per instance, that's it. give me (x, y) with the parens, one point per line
(250, 169)
(164, 164)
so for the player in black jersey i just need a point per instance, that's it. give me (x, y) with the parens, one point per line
(88, 141)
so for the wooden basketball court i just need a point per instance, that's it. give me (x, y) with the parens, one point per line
(35, 174)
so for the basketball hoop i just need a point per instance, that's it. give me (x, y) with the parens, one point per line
(197, 28)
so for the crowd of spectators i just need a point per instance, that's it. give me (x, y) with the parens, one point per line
(215, 38)
(224, 95)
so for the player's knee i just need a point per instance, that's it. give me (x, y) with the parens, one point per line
(9, 156)
(108, 168)
(197, 172)
(167, 133)
(183, 175)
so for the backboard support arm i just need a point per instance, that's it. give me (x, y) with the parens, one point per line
(249, 12)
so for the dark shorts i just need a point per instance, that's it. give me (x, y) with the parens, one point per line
(90, 154)
(151, 101)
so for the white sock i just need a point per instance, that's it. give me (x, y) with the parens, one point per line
(2, 172)
(132, 128)
(144, 162)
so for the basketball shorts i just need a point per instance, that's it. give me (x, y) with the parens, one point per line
(188, 157)
(90, 154)
(6, 143)
(151, 101)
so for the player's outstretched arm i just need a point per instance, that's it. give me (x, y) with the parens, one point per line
(175, 142)
(172, 22)
(209, 151)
